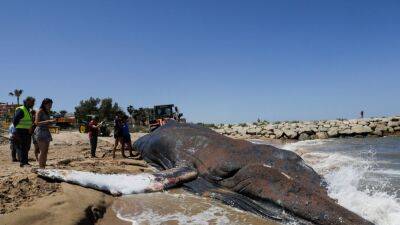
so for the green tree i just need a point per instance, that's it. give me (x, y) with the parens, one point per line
(108, 110)
(17, 93)
(86, 107)
(104, 108)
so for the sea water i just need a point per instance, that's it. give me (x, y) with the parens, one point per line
(363, 174)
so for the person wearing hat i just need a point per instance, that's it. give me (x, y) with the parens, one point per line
(22, 135)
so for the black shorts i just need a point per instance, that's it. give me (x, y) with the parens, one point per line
(117, 134)
(126, 138)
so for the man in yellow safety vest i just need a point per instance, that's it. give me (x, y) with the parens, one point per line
(22, 135)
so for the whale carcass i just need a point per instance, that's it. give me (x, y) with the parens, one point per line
(262, 179)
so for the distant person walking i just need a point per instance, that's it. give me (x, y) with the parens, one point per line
(42, 133)
(22, 136)
(94, 128)
(362, 114)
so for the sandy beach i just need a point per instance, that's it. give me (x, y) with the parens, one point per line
(28, 199)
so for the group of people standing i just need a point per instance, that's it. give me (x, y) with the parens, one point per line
(122, 135)
(29, 126)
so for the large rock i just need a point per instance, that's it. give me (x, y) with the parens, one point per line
(220, 130)
(333, 132)
(362, 122)
(305, 129)
(360, 129)
(333, 122)
(346, 131)
(322, 135)
(381, 128)
(278, 133)
(253, 131)
(314, 129)
(395, 119)
(394, 123)
(323, 129)
(291, 134)
(373, 125)
(353, 121)
(270, 127)
(264, 132)
(377, 132)
(304, 136)
(240, 130)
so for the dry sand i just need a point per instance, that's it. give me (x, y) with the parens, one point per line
(28, 199)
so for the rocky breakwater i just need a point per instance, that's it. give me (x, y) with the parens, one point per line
(307, 130)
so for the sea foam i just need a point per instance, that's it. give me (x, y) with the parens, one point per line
(179, 209)
(345, 174)
(148, 216)
(372, 204)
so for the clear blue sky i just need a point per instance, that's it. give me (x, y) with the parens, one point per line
(220, 61)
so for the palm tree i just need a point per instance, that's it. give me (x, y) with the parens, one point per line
(130, 109)
(17, 93)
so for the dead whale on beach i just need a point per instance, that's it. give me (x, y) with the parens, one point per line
(261, 179)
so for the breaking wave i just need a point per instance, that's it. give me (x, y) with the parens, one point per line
(355, 179)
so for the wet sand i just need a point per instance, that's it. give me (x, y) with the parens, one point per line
(177, 206)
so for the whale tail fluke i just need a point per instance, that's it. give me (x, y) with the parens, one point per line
(122, 184)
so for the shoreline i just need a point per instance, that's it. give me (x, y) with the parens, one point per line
(41, 202)
(26, 199)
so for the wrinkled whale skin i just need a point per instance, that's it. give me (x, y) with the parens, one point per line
(262, 173)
